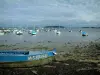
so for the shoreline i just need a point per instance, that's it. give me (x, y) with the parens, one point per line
(82, 60)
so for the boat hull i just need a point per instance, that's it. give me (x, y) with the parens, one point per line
(1, 33)
(17, 56)
(33, 34)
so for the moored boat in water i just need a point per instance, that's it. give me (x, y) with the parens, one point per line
(55, 30)
(19, 32)
(70, 30)
(33, 32)
(80, 30)
(30, 31)
(58, 32)
(1, 32)
(84, 34)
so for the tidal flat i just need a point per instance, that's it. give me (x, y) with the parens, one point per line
(81, 59)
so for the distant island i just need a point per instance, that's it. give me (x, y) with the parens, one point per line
(54, 27)
(90, 27)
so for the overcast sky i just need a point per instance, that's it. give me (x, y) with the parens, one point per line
(39, 12)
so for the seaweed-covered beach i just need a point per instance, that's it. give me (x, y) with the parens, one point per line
(80, 59)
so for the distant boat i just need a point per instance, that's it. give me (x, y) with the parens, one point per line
(55, 30)
(6, 31)
(14, 31)
(19, 32)
(70, 30)
(33, 32)
(80, 30)
(84, 34)
(58, 32)
(37, 30)
(30, 31)
(1, 32)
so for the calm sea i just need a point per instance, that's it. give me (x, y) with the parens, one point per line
(65, 36)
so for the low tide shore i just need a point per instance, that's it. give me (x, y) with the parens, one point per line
(72, 59)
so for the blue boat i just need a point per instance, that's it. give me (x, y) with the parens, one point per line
(22, 55)
(84, 34)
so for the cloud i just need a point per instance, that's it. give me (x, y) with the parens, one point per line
(50, 11)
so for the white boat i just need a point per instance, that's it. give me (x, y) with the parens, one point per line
(55, 31)
(19, 32)
(58, 32)
(7, 31)
(14, 31)
(30, 31)
(1, 33)
(37, 30)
